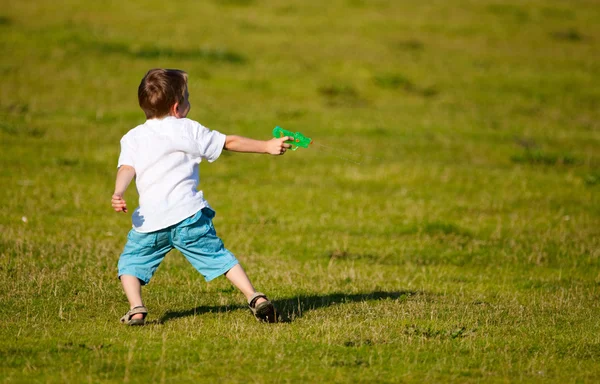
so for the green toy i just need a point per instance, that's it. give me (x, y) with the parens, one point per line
(299, 139)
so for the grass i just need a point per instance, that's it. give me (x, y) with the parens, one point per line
(444, 227)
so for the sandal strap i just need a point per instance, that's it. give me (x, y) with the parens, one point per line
(254, 297)
(139, 309)
(134, 311)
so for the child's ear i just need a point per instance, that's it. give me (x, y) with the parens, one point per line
(173, 111)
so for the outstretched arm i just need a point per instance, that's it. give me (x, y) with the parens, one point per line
(243, 144)
(125, 174)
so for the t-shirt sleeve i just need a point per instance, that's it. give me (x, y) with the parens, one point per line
(210, 143)
(126, 157)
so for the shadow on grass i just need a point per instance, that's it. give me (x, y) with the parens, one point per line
(81, 44)
(293, 308)
(155, 52)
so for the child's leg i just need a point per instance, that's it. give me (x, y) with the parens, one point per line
(238, 277)
(141, 256)
(133, 291)
(197, 240)
(202, 247)
(262, 308)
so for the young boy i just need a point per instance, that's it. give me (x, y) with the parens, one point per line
(163, 155)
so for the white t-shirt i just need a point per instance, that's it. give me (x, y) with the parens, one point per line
(165, 154)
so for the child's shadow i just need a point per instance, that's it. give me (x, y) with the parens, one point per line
(295, 307)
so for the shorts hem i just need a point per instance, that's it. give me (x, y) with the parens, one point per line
(143, 280)
(221, 271)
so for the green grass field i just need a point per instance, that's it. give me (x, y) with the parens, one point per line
(444, 226)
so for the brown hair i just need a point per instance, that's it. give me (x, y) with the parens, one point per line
(160, 89)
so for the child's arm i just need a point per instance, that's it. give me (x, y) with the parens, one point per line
(125, 174)
(276, 146)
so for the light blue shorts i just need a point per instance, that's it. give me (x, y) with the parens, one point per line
(195, 237)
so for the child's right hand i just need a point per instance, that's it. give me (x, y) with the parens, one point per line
(278, 146)
(118, 203)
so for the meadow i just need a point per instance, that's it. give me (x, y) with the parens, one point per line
(444, 226)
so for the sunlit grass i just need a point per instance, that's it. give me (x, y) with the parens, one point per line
(443, 227)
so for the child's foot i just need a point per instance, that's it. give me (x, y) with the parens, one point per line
(260, 300)
(262, 308)
(135, 316)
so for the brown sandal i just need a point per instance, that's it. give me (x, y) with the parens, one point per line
(264, 311)
(127, 318)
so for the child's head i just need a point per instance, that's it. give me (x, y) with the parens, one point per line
(164, 92)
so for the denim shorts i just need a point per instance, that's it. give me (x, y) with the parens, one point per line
(195, 237)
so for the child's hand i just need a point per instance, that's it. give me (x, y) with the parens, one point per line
(278, 146)
(118, 203)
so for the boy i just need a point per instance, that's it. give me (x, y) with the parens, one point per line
(163, 155)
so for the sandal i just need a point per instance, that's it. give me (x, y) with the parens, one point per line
(264, 311)
(127, 318)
